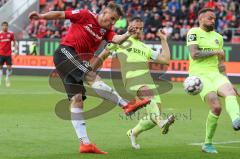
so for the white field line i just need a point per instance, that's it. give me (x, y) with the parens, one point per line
(231, 147)
(28, 92)
(216, 143)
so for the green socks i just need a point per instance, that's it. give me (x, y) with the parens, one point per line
(232, 107)
(211, 126)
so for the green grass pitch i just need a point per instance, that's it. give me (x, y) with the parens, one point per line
(30, 129)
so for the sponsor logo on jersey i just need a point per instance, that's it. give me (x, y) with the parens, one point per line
(75, 11)
(89, 29)
(137, 51)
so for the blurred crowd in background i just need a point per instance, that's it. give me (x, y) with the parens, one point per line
(176, 17)
(2, 2)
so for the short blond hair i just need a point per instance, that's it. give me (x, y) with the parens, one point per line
(116, 7)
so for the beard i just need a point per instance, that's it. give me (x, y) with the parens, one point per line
(209, 27)
(136, 36)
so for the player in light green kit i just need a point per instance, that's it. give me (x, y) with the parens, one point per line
(206, 61)
(134, 56)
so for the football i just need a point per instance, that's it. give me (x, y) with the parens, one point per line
(193, 85)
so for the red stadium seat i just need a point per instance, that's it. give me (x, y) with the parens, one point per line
(236, 39)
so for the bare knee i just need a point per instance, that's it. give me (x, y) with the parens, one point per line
(226, 90)
(214, 103)
(90, 77)
(145, 92)
(77, 101)
(216, 110)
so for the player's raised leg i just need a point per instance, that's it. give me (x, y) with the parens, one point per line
(79, 125)
(105, 91)
(231, 103)
(212, 120)
(152, 119)
(74, 87)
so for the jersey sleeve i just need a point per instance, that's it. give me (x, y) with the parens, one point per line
(13, 37)
(75, 15)
(112, 47)
(154, 55)
(192, 37)
(109, 35)
(221, 42)
(150, 53)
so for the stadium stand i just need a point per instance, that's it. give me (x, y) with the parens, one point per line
(2, 2)
(174, 16)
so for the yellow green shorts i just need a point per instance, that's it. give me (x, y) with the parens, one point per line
(132, 85)
(211, 82)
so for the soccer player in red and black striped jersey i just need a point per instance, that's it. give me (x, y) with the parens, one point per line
(71, 59)
(6, 39)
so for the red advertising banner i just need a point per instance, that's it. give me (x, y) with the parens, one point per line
(33, 61)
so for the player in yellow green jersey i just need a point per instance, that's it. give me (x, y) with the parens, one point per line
(206, 61)
(134, 56)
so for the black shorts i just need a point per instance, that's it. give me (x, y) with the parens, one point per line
(7, 59)
(71, 69)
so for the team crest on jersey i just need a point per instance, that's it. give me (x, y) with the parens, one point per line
(192, 37)
(216, 41)
(8, 35)
(126, 44)
(102, 31)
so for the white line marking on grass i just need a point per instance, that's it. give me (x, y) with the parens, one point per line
(231, 147)
(216, 143)
(29, 93)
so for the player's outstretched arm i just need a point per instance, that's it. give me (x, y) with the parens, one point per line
(98, 61)
(222, 69)
(236, 90)
(118, 39)
(164, 57)
(196, 53)
(221, 66)
(52, 15)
